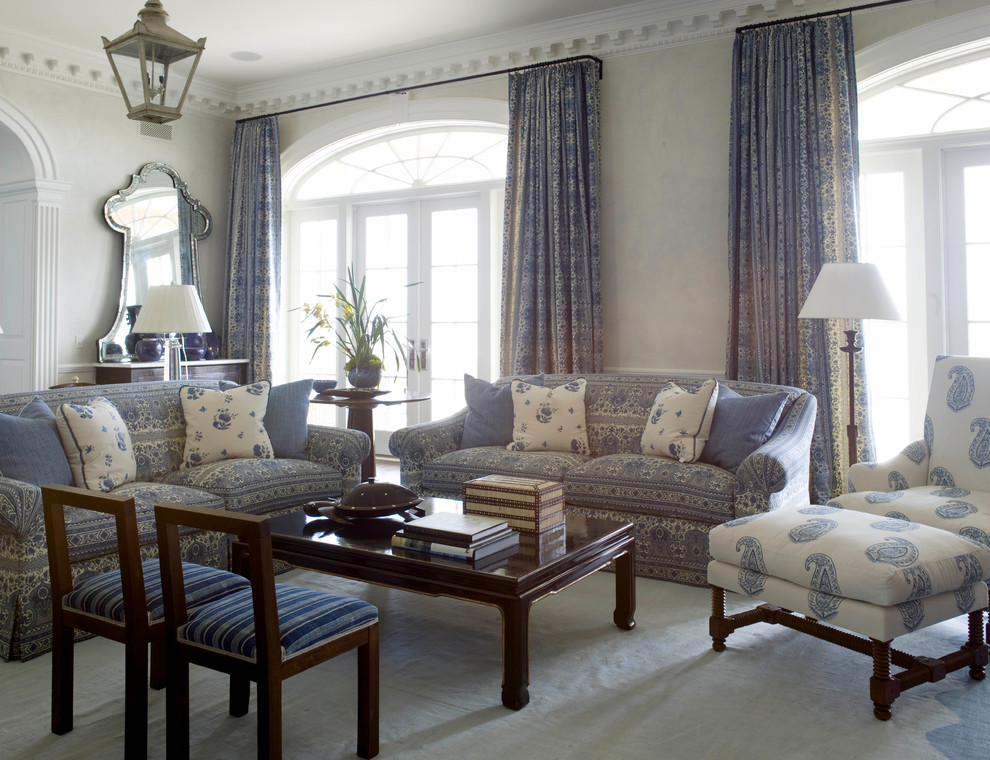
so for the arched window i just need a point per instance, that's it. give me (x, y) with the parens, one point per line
(925, 186)
(427, 156)
(417, 204)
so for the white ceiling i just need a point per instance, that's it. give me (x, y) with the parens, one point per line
(295, 36)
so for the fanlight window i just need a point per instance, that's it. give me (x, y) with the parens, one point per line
(951, 99)
(150, 214)
(410, 160)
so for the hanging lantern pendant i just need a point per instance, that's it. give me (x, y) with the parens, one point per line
(154, 66)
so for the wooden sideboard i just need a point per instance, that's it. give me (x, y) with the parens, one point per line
(139, 372)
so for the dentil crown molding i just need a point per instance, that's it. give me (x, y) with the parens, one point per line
(630, 29)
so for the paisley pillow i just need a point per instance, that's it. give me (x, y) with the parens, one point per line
(225, 424)
(680, 421)
(549, 419)
(97, 444)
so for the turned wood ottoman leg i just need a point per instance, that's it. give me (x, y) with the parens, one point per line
(717, 624)
(977, 646)
(883, 689)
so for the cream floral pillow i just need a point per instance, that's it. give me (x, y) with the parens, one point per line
(225, 424)
(680, 421)
(97, 444)
(549, 419)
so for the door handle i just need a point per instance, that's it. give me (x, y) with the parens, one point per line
(424, 350)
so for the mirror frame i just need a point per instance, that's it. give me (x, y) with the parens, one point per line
(116, 334)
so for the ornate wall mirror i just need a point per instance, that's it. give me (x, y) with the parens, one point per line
(161, 224)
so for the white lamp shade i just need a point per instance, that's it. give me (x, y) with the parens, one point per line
(171, 309)
(849, 291)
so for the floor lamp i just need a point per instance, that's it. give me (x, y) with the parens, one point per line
(172, 310)
(849, 291)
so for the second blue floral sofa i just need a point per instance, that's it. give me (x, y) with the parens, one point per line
(673, 505)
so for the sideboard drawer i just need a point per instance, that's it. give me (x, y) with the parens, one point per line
(139, 372)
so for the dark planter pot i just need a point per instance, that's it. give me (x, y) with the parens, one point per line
(364, 377)
(149, 349)
(212, 345)
(195, 346)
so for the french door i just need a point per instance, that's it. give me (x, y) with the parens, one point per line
(967, 249)
(431, 261)
(926, 225)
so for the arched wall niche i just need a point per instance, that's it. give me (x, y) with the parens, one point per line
(31, 197)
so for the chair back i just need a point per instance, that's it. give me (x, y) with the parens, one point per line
(957, 423)
(55, 500)
(253, 530)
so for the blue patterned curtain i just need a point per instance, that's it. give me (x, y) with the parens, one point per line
(254, 245)
(794, 170)
(551, 293)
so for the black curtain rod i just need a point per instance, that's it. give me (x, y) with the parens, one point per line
(428, 84)
(836, 12)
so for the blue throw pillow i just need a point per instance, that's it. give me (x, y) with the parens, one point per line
(286, 418)
(30, 449)
(741, 425)
(489, 417)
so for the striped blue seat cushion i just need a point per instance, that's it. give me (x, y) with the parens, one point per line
(305, 618)
(102, 594)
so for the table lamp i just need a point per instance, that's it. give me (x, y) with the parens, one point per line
(172, 310)
(850, 291)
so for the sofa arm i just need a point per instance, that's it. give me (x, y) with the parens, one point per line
(340, 448)
(23, 565)
(417, 445)
(21, 511)
(908, 469)
(777, 474)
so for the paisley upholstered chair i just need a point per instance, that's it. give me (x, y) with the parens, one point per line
(944, 479)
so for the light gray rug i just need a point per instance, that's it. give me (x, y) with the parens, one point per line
(658, 691)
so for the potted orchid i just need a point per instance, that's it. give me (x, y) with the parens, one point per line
(358, 330)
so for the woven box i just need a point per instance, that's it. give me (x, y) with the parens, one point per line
(530, 505)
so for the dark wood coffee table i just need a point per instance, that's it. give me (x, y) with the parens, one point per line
(362, 550)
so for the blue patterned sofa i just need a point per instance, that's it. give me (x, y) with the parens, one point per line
(672, 505)
(154, 419)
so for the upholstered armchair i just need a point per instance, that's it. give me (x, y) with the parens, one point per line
(944, 479)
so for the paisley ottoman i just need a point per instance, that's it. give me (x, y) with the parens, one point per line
(877, 577)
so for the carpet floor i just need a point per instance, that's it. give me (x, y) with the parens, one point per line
(657, 691)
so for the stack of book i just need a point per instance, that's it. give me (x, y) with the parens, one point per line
(452, 534)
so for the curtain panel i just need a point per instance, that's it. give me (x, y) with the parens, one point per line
(551, 292)
(794, 171)
(254, 245)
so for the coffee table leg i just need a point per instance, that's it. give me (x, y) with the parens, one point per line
(625, 589)
(515, 654)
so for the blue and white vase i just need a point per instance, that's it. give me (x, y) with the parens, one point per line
(364, 377)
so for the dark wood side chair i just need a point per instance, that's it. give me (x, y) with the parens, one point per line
(263, 634)
(124, 605)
